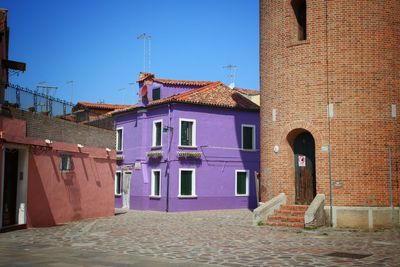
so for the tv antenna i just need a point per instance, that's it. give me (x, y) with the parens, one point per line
(71, 83)
(46, 88)
(124, 94)
(147, 49)
(232, 74)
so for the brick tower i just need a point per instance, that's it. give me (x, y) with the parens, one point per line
(330, 90)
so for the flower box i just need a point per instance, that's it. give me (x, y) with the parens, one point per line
(155, 154)
(189, 154)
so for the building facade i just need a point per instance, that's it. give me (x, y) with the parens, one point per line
(329, 97)
(189, 145)
(53, 171)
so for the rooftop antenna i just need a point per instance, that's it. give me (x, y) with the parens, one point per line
(124, 94)
(46, 88)
(232, 74)
(147, 49)
(133, 88)
(71, 83)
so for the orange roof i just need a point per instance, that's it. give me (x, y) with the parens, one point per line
(150, 76)
(247, 91)
(101, 105)
(215, 94)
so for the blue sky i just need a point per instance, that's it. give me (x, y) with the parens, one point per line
(94, 43)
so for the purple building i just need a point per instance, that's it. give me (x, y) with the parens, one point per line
(189, 145)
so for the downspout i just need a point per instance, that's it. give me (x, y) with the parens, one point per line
(329, 119)
(167, 168)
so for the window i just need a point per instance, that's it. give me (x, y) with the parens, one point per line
(156, 93)
(241, 183)
(187, 132)
(187, 183)
(300, 12)
(248, 137)
(66, 162)
(119, 139)
(117, 183)
(155, 183)
(157, 133)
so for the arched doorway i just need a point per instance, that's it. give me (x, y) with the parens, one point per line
(304, 166)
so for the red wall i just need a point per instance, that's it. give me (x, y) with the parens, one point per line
(56, 197)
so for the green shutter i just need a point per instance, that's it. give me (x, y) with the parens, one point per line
(248, 138)
(157, 183)
(158, 134)
(241, 183)
(118, 183)
(186, 183)
(156, 93)
(119, 139)
(186, 133)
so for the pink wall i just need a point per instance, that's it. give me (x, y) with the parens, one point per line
(56, 197)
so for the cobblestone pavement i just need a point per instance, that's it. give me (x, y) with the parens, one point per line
(227, 238)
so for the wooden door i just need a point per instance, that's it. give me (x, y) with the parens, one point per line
(10, 187)
(304, 160)
(126, 189)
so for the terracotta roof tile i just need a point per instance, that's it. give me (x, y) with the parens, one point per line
(247, 91)
(150, 76)
(216, 94)
(101, 105)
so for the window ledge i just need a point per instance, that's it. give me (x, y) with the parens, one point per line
(236, 195)
(193, 196)
(248, 150)
(187, 147)
(118, 195)
(297, 43)
(156, 147)
(155, 197)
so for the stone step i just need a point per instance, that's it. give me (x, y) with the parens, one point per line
(289, 212)
(294, 207)
(286, 224)
(275, 218)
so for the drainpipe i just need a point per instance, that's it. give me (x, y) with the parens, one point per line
(391, 184)
(329, 119)
(167, 168)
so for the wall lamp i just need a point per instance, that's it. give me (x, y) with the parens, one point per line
(80, 146)
(48, 141)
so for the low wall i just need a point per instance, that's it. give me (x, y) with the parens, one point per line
(56, 197)
(363, 217)
(55, 129)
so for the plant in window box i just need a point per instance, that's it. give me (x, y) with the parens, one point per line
(119, 157)
(154, 154)
(189, 154)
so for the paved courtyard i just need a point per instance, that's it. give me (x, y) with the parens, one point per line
(203, 238)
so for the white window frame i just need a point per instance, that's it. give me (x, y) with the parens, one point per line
(247, 183)
(193, 132)
(193, 195)
(69, 166)
(122, 139)
(120, 183)
(153, 142)
(152, 183)
(254, 137)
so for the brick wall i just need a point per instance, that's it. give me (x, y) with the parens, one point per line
(351, 59)
(39, 126)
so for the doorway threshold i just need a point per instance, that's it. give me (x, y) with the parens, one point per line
(13, 227)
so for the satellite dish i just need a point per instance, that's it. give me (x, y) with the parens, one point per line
(143, 91)
(232, 85)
